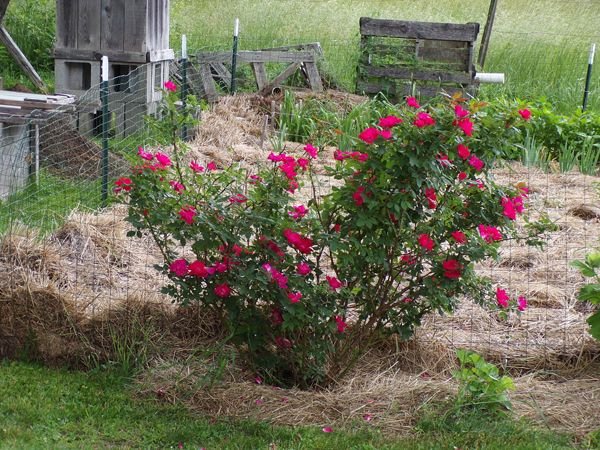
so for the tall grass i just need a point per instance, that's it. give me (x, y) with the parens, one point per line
(541, 46)
(32, 24)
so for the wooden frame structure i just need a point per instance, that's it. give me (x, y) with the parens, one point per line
(402, 58)
(208, 67)
(134, 35)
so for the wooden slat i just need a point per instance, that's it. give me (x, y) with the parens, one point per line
(418, 30)
(3, 6)
(289, 70)
(88, 25)
(66, 23)
(399, 90)
(160, 55)
(208, 84)
(410, 74)
(21, 59)
(248, 56)
(91, 55)
(31, 105)
(222, 72)
(113, 23)
(445, 55)
(314, 78)
(134, 38)
(260, 74)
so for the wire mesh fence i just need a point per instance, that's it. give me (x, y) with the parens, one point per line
(58, 239)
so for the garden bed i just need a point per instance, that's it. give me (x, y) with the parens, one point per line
(70, 296)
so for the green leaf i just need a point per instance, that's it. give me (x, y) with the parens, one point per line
(590, 293)
(585, 269)
(594, 322)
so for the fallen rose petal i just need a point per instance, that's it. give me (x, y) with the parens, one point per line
(327, 430)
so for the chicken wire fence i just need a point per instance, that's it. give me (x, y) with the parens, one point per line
(57, 233)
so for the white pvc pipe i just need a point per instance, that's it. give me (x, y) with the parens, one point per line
(183, 46)
(490, 78)
(236, 27)
(592, 53)
(105, 68)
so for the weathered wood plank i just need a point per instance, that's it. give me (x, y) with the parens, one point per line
(3, 6)
(208, 84)
(164, 24)
(134, 38)
(160, 55)
(289, 70)
(411, 74)
(249, 56)
(31, 105)
(88, 25)
(66, 23)
(91, 55)
(418, 30)
(260, 74)
(113, 25)
(314, 78)
(221, 72)
(21, 59)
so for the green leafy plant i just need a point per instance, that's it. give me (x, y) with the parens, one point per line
(395, 239)
(590, 268)
(481, 385)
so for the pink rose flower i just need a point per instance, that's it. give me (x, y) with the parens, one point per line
(369, 135)
(179, 267)
(187, 214)
(467, 126)
(299, 212)
(452, 269)
(423, 120)
(389, 121)
(525, 114)
(334, 283)
(426, 242)
(311, 151)
(489, 233)
(340, 323)
(522, 303)
(196, 167)
(145, 155)
(294, 297)
(222, 290)
(502, 298)
(476, 163)
(460, 112)
(463, 151)
(459, 237)
(303, 269)
(412, 102)
(170, 86)
(163, 159)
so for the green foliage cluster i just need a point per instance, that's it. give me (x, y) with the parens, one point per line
(481, 385)
(394, 240)
(590, 268)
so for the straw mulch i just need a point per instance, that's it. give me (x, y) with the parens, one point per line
(69, 297)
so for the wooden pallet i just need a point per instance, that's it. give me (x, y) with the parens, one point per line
(402, 58)
(206, 69)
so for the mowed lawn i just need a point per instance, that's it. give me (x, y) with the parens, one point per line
(43, 408)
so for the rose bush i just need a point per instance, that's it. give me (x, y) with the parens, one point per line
(306, 288)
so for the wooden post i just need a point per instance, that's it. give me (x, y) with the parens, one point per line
(487, 33)
(21, 59)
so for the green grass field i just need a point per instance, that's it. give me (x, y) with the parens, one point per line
(43, 408)
(541, 46)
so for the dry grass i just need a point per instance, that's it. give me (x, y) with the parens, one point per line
(68, 296)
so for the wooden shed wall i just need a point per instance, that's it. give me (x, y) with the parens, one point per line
(113, 25)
